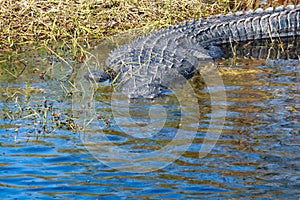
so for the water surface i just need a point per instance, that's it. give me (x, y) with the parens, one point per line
(256, 156)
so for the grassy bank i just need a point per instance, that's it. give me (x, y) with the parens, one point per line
(75, 22)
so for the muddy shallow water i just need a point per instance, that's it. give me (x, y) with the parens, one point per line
(43, 155)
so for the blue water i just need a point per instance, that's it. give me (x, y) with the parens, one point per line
(256, 156)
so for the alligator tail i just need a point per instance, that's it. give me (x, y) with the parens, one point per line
(260, 24)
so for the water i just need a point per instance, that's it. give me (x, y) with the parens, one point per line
(256, 156)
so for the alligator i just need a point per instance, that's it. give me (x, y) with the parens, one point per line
(148, 66)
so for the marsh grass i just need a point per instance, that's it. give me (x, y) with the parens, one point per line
(79, 23)
(40, 117)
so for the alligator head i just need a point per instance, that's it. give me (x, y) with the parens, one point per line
(97, 76)
(147, 90)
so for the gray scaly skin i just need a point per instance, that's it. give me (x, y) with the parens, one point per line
(149, 65)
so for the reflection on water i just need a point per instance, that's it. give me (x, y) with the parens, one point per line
(257, 155)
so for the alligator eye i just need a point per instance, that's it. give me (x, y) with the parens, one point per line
(97, 76)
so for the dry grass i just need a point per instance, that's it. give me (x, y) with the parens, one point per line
(83, 21)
